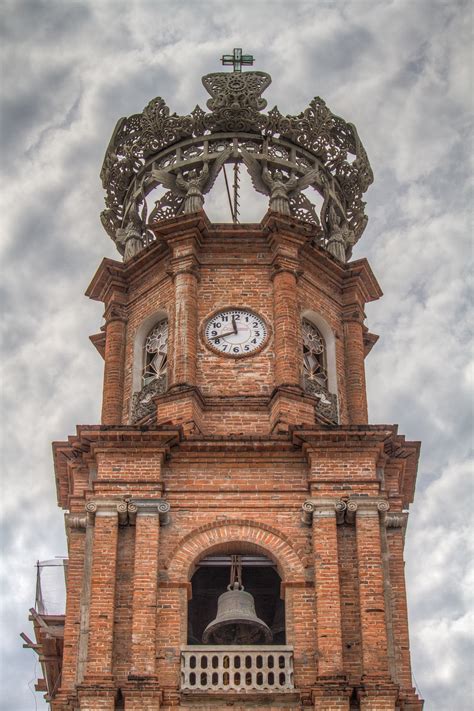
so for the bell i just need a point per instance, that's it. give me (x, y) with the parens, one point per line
(236, 621)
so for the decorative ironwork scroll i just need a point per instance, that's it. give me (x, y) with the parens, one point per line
(285, 155)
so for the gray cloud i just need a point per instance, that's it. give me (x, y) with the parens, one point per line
(401, 72)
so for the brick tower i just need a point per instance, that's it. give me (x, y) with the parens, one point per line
(234, 436)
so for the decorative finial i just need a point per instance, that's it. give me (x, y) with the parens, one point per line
(237, 59)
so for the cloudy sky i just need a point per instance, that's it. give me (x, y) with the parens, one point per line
(399, 70)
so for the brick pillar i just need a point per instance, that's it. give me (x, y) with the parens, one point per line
(76, 528)
(145, 584)
(378, 690)
(98, 680)
(184, 269)
(395, 530)
(331, 689)
(288, 352)
(115, 335)
(354, 354)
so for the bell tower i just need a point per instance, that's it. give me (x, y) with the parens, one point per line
(235, 525)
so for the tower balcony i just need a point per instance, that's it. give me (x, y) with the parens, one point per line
(238, 668)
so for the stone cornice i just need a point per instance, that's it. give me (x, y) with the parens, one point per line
(359, 279)
(98, 341)
(109, 275)
(195, 224)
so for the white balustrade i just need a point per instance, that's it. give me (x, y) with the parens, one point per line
(237, 668)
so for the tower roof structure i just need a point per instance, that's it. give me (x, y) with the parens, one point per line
(284, 155)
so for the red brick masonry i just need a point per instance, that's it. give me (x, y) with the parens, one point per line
(235, 449)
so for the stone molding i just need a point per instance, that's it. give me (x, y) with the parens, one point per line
(75, 522)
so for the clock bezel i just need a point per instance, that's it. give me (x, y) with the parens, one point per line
(235, 356)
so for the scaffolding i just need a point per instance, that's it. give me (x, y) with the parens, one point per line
(48, 617)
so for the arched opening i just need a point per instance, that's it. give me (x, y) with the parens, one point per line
(259, 577)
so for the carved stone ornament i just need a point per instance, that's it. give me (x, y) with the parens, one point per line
(284, 155)
(142, 402)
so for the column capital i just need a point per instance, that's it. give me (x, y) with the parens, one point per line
(367, 507)
(324, 507)
(115, 311)
(106, 507)
(285, 264)
(184, 264)
(150, 507)
(353, 312)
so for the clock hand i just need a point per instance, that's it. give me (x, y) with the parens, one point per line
(234, 325)
(221, 335)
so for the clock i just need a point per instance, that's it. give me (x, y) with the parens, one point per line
(235, 332)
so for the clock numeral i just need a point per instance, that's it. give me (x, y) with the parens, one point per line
(217, 341)
(225, 318)
(256, 324)
(237, 317)
(256, 333)
(224, 347)
(213, 333)
(246, 348)
(254, 340)
(236, 349)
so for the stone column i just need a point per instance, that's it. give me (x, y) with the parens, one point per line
(354, 353)
(105, 514)
(145, 584)
(115, 330)
(330, 691)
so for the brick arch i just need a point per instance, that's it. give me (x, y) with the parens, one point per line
(230, 536)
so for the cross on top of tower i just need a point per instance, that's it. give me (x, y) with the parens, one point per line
(237, 59)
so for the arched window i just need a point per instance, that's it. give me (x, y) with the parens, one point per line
(153, 378)
(315, 372)
(155, 353)
(314, 358)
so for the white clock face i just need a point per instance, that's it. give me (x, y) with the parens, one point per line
(235, 332)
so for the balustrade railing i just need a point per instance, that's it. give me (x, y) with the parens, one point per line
(237, 668)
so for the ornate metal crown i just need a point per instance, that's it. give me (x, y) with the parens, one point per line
(283, 154)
